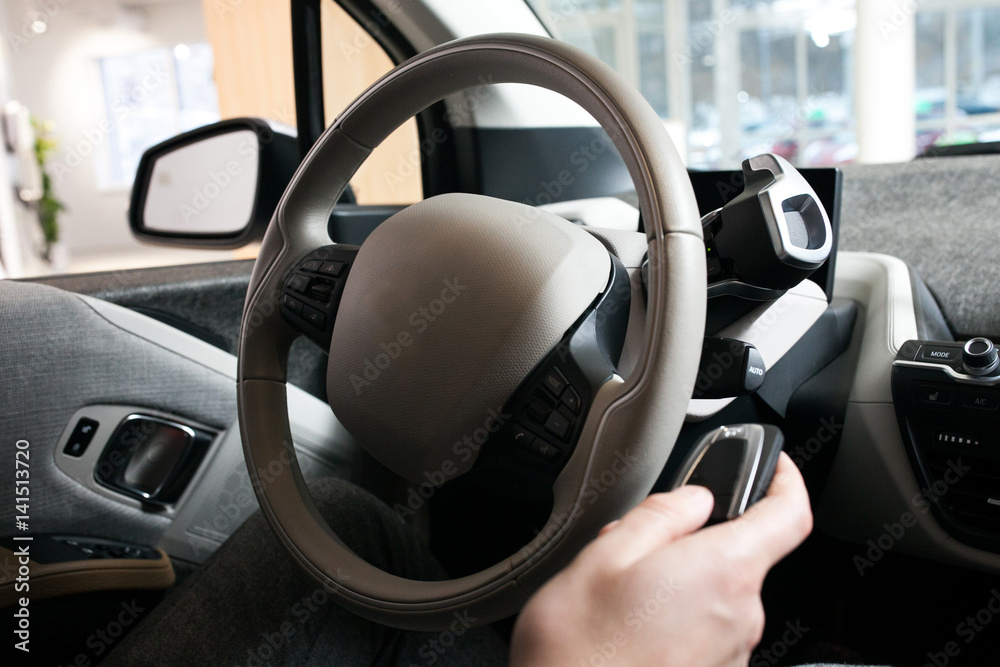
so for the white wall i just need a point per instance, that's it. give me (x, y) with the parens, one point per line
(55, 75)
(10, 260)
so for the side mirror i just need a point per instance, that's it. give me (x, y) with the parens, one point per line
(216, 186)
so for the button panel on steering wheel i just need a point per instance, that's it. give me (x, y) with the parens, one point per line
(311, 293)
(545, 415)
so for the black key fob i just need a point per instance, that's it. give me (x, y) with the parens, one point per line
(736, 463)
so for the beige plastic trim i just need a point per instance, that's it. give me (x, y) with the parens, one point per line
(774, 328)
(632, 425)
(872, 484)
(52, 580)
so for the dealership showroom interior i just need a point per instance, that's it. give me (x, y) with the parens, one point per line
(557, 333)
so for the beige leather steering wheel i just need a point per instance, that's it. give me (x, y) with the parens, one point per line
(503, 286)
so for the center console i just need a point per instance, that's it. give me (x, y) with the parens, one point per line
(947, 401)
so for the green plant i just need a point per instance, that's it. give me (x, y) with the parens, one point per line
(49, 206)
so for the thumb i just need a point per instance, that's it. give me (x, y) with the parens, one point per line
(659, 519)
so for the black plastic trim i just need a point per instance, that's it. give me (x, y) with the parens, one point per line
(307, 72)
(540, 165)
(714, 189)
(439, 171)
(826, 339)
(277, 161)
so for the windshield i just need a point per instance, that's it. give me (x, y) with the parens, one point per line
(817, 82)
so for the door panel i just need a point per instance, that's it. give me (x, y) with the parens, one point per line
(204, 300)
(58, 354)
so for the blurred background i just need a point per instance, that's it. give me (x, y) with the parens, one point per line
(87, 85)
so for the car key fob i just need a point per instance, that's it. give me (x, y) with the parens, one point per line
(736, 463)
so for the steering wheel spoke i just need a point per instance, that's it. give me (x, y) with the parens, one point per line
(544, 418)
(310, 294)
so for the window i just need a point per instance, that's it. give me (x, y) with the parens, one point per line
(747, 76)
(958, 75)
(352, 61)
(151, 96)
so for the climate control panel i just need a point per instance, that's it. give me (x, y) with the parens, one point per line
(947, 400)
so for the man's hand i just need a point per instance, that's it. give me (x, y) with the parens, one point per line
(650, 590)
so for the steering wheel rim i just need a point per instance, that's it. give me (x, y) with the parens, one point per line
(638, 418)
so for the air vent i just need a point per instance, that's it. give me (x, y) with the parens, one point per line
(973, 501)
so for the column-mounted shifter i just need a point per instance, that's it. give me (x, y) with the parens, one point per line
(728, 368)
(771, 237)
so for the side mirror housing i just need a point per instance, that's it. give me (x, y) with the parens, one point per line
(216, 186)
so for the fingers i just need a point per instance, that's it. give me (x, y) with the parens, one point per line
(773, 527)
(608, 527)
(659, 519)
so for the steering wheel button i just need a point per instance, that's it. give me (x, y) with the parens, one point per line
(544, 450)
(298, 283)
(554, 381)
(333, 268)
(571, 400)
(312, 265)
(313, 317)
(292, 304)
(522, 437)
(321, 292)
(539, 409)
(557, 424)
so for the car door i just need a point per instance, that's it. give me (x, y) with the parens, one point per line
(134, 346)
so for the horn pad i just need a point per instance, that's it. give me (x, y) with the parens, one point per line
(449, 305)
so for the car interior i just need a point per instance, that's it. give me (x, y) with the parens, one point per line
(573, 314)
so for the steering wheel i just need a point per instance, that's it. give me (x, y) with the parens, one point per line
(469, 331)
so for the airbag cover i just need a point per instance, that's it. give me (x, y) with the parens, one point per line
(449, 305)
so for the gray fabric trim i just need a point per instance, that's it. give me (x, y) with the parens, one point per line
(58, 355)
(939, 216)
(252, 605)
(205, 300)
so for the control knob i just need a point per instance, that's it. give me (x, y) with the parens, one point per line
(980, 356)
